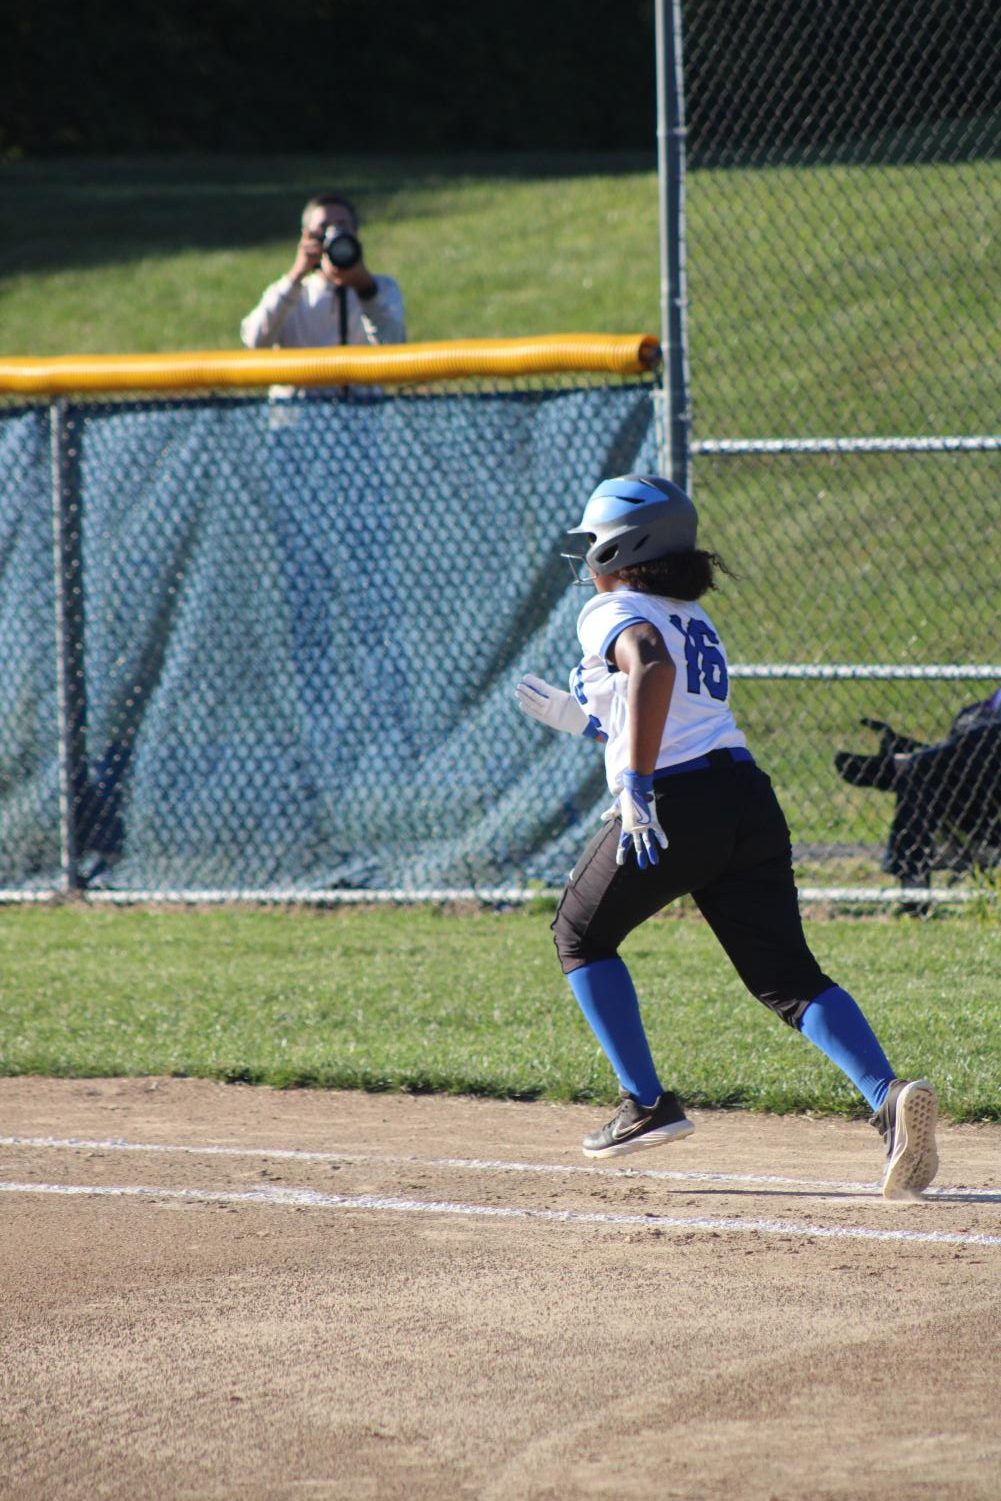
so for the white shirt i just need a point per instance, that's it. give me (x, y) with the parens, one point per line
(698, 718)
(304, 315)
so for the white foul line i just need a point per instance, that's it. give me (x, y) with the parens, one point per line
(311, 1199)
(286, 1154)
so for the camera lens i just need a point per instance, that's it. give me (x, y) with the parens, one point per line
(341, 247)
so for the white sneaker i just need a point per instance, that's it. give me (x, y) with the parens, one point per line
(907, 1120)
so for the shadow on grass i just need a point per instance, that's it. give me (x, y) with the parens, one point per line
(65, 213)
(73, 213)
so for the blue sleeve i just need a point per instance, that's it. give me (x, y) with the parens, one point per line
(602, 621)
(616, 632)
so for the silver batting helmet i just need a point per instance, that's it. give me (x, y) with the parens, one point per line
(633, 519)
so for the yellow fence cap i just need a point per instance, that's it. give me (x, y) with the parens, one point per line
(380, 365)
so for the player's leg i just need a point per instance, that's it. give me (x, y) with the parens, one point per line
(755, 915)
(837, 1027)
(753, 909)
(601, 903)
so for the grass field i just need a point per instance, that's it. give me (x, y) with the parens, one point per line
(167, 254)
(817, 294)
(823, 300)
(425, 999)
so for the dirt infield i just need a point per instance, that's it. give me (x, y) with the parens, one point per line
(212, 1291)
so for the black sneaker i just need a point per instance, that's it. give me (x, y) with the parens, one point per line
(907, 1119)
(634, 1126)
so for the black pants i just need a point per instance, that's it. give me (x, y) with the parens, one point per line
(729, 849)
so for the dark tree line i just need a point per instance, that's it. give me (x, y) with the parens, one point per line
(153, 76)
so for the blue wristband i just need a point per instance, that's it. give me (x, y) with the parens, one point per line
(639, 783)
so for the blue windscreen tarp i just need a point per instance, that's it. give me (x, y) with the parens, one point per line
(303, 622)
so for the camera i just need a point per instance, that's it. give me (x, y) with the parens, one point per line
(341, 247)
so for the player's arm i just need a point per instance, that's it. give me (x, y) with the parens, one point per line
(555, 708)
(639, 651)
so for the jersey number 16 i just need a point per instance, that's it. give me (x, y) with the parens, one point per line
(704, 663)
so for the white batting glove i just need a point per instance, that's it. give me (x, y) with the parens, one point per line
(641, 829)
(552, 707)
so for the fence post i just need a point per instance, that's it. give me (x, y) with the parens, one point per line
(71, 699)
(675, 426)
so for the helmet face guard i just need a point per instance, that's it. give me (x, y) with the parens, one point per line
(633, 519)
(577, 563)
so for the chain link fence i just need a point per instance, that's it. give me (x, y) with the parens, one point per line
(249, 646)
(844, 305)
(269, 647)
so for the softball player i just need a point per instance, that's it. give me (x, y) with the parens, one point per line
(692, 813)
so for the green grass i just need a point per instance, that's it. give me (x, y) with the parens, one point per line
(823, 300)
(845, 299)
(424, 999)
(168, 254)
(860, 299)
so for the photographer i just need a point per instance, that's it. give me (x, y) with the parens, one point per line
(329, 296)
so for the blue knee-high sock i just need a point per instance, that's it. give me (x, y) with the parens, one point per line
(834, 1023)
(605, 994)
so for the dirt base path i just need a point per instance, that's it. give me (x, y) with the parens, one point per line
(210, 1292)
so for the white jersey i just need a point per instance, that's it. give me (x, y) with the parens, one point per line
(699, 717)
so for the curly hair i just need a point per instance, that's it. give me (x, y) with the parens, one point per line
(679, 575)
